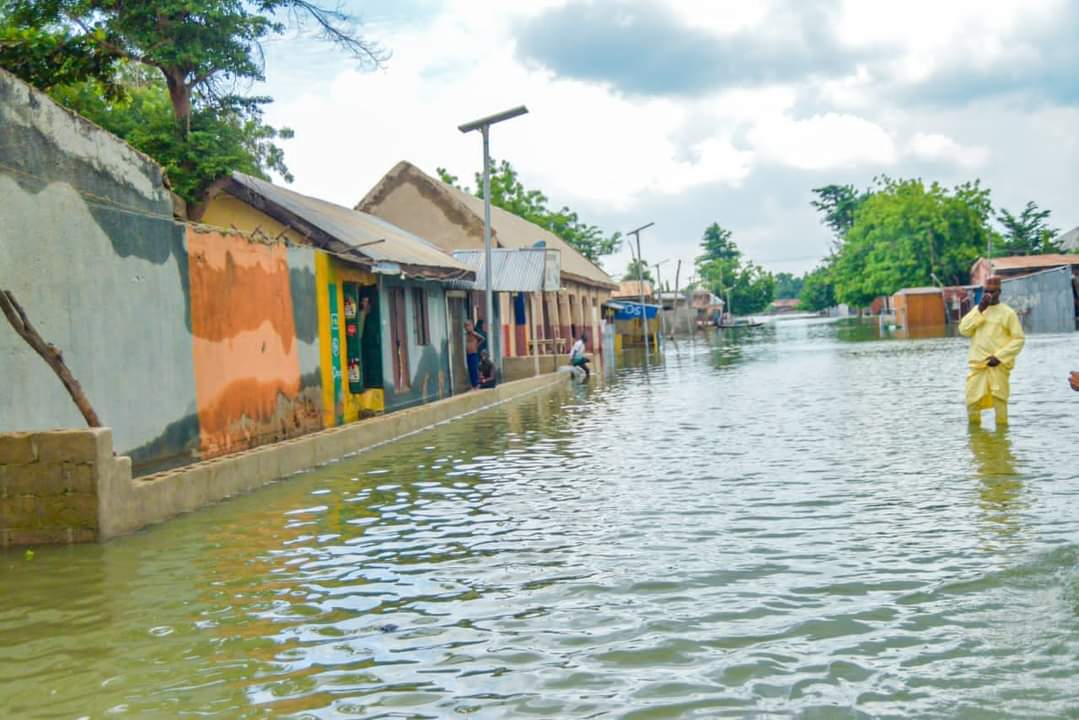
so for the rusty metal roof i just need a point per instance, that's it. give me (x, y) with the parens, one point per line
(1024, 262)
(349, 233)
(511, 270)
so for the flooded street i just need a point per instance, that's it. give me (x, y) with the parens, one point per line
(794, 521)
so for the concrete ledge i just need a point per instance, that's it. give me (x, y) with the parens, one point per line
(127, 504)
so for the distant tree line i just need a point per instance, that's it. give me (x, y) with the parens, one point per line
(904, 233)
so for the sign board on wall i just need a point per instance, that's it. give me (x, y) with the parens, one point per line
(552, 270)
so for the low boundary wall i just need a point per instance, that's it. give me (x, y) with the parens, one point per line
(66, 486)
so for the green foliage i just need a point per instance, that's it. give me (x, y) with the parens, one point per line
(1029, 233)
(717, 244)
(818, 289)
(219, 142)
(192, 55)
(838, 203)
(907, 235)
(631, 271)
(747, 286)
(508, 193)
(788, 286)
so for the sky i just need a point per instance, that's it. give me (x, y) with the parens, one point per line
(685, 112)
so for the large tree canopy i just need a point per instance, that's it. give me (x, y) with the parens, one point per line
(167, 75)
(908, 235)
(508, 193)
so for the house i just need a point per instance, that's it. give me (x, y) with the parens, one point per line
(785, 305)
(707, 306)
(634, 290)
(919, 308)
(1020, 265)
(454, 220)
(379, 291)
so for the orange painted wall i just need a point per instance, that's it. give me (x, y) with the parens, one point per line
(246, 355)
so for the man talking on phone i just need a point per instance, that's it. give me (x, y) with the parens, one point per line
(996, 337)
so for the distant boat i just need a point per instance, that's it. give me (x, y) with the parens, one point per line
(739, 323)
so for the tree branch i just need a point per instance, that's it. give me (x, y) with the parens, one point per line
(49, 353)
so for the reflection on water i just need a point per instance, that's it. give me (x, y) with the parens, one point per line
(792, 520)
(1001, 484)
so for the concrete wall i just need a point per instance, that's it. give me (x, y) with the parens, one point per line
(1044, 301)
(88, 247)
(49, 485)
(66, 486)
(189, 342)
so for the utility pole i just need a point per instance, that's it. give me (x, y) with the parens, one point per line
(494, 329)
(677, 273)
(640, 284)
(659, 296)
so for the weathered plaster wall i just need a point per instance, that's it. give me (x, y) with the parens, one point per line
(88, 247)
(429, 365)
(247, 356)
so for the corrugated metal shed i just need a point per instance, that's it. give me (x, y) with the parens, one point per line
(511, 270)
(1044, 301)
(350, 233)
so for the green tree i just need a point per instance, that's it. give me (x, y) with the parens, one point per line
(717, 244)
(721, 269)
(509, 193)
(907, 235)
(202, 51)
(788, 286)
(818, 289)
(631, 271)
(217, 144)
(1028, 233)
(838, 203)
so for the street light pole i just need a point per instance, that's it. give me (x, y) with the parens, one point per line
(640, 284)
(659, 296)
(494, 330)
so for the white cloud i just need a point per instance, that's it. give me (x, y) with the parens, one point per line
(941, 148)
(823, 142)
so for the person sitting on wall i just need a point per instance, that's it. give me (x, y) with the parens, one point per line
(487, 371)
(577, 358)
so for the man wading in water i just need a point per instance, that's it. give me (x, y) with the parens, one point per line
(996, 337)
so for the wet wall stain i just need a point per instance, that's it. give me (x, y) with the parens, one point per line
(177, 445)
(428, 382)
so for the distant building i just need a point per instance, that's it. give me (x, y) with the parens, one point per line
(631, 290)
(1019, 265)
(919, 308)
(785, 305)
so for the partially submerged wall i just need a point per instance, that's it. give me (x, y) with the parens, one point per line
(188, 342)
(89, 248)
(66, 486)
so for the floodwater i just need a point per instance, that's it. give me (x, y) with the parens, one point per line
(791, 522)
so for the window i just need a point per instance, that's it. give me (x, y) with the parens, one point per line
(420, 323)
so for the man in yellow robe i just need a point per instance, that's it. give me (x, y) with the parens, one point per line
(996, 339)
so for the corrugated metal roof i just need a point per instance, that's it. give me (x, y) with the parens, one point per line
(1022, 262)
(511, 270)
(920, 291)
(360, 233)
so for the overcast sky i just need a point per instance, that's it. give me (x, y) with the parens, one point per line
(685, 112)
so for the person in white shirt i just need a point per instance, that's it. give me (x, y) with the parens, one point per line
(577, 357)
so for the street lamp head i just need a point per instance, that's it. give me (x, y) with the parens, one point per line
(492, 119)
(642, 227)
